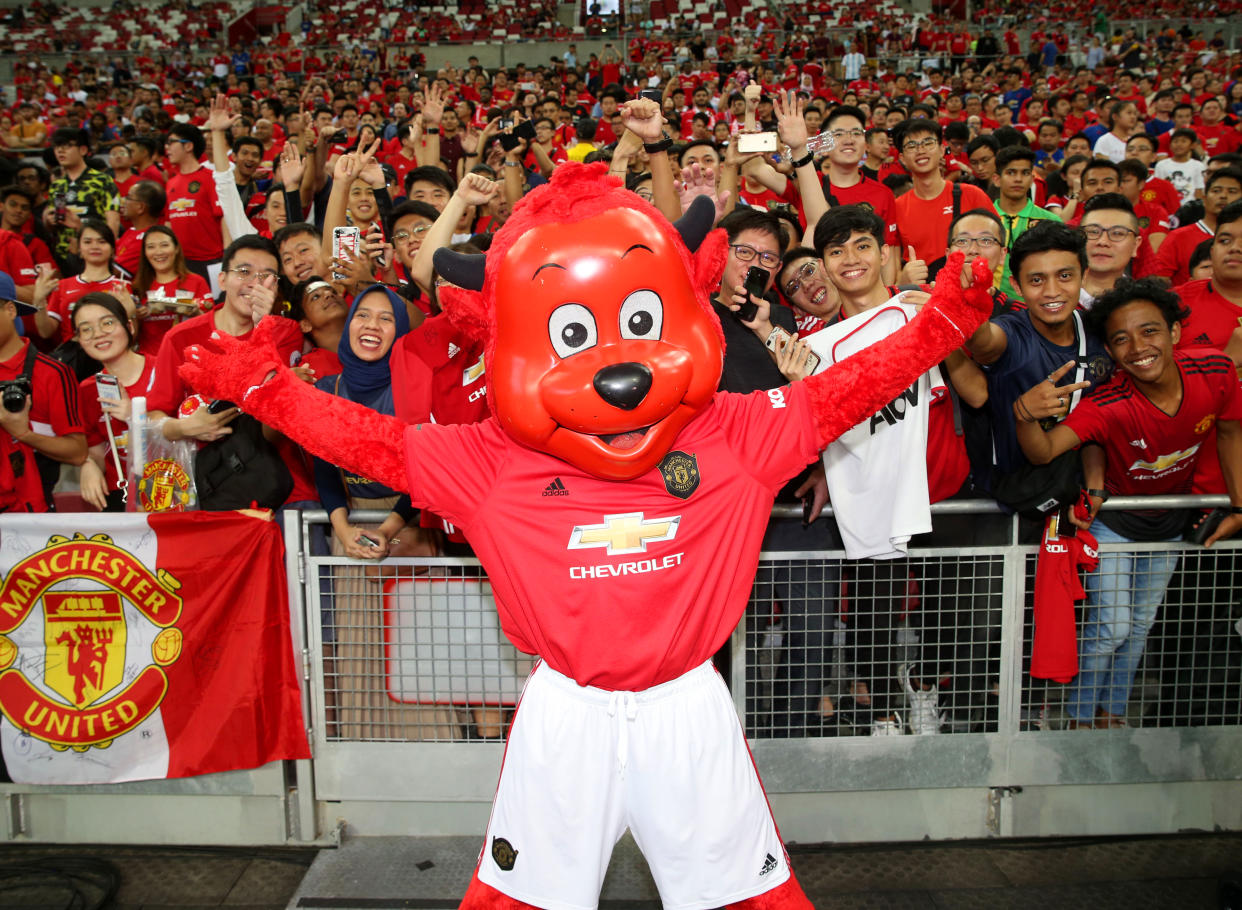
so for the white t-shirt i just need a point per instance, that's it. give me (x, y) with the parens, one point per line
(1186, 176)
(877, 470)
(1110, 147)
(852, 64)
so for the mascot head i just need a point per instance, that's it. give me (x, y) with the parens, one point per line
(601, 342)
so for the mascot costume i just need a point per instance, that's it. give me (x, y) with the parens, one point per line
(617, 502)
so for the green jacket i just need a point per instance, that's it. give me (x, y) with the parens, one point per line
(1015, 227)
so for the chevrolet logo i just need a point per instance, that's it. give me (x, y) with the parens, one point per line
(623, 534)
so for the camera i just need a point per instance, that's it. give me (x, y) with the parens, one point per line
(13, 394)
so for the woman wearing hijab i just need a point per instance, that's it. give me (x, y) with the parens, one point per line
(365, 709)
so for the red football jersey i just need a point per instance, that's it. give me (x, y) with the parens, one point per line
(194, 214)
(153, 328)
(1149, 452)
(1173, 258)
(61, 302)
(620, 585)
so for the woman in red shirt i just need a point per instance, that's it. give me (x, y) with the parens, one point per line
(56, 300)
(168, 291)
(106, 333)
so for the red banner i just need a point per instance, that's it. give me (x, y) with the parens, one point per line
(139, 646)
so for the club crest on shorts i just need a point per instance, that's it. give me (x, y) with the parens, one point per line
(503, 853)
(681, 473)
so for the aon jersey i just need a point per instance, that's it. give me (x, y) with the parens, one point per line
(877, 470)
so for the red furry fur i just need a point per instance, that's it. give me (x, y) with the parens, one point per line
(859, 386)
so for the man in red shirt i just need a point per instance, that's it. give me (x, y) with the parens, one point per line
(248, 279)
(1173, 259)
(47, 430)
(924, 213)
(1216, 136)
(193, 210)
(142, 207)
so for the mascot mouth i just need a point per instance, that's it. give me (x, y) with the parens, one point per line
(627, 440)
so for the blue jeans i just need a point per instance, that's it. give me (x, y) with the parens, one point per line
(1123, 597)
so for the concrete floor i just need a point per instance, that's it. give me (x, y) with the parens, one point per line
(1179, 873)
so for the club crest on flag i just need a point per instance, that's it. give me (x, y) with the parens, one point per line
(84, 643)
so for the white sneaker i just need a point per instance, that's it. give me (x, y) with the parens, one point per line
(888, 727)
(925, 719)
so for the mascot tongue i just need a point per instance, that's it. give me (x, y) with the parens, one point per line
(625, 440)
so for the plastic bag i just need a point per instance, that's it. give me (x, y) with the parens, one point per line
(161, 473)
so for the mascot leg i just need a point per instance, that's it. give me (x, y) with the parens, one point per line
(480, 896)
(788, 896)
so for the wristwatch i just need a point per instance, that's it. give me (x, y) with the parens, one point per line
(432, 130)
(1101, 495)
(662, 145)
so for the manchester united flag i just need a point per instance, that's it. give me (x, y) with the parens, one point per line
(144, 646)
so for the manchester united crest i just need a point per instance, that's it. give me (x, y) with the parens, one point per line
(681, 474)
(504, 854)
(81, 689)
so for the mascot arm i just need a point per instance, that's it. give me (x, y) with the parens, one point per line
(339, 431)
(857, 387)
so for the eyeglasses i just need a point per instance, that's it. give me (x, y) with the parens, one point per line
(984, 243)
(406, 235)
(919, 145)
(746, 253)
(245, 273)
(847, 134)
(105, 326)
(1116, 233)
(794, 284)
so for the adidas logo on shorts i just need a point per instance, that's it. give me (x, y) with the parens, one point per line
(555, 488)
(769, 865)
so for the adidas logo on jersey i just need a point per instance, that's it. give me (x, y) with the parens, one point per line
(769, 865)
(1139, 443)
(555, 488)
(453, 350)
(1203, 338)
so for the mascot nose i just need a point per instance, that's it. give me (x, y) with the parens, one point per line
(623, 385)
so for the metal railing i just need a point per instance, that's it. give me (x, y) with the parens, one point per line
(410, 670)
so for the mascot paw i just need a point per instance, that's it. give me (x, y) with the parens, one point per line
(231, 368)
(965, 304)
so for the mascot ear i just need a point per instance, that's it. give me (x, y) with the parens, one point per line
(467, 310)
(709, 260)
(466, 270)
(696, 222)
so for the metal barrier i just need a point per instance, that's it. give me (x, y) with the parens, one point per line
(411, 682)
(410, 686)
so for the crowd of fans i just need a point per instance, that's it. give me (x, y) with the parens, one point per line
(148, 206)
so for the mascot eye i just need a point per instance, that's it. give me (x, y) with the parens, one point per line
(642, 316)
(571, 328)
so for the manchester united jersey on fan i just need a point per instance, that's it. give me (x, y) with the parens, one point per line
(574, 572)
(1148, 451)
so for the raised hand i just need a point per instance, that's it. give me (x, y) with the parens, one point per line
(369, 169)
(643, 118)
(219, 117)
(790, 125)
(433, 105)
(292, 165)
(477, 190)
(701, 181)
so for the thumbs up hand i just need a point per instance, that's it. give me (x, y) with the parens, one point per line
(915, 269)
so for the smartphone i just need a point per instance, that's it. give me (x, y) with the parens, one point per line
(755, 284)
(108, 388)
(756, 142)
(652, 94)
(367, 542)
(779, 338)
(525, 130)
(346, 242)
(508, 141)
(340, 137)
(61, 205)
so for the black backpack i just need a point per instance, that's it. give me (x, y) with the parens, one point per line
(241, 470)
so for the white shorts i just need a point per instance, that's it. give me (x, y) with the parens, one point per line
(670, 763)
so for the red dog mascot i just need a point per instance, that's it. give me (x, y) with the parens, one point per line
(603, 357)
